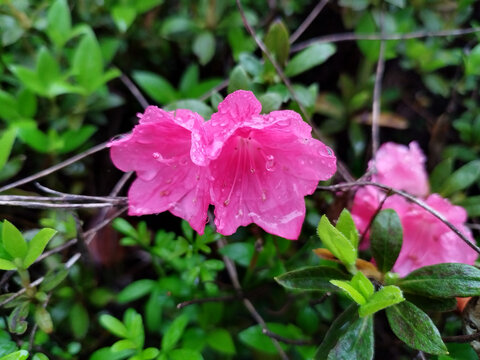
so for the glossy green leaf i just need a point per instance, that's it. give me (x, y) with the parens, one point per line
(17, 355)
(336, 242)
(113, 325)
(415, 328)
(277, 42)
(40, 356)
(221, 341)
(37, 245)
(352, 292)
(156, 86)
(7, 265)
(59, 22)
(383, 298)
(53, 278)
(13, 240)
(29, 79)
(362, 284)
(443, 281)
(347, 227)
(88, 62)
(174, 332)
(386, 238)
(204, 47)
(150, 353)
(185, 354)
(123, 16)
(7, 138)
(461, 178)
(311, 278)
(432, 304)
(27, 103)
(136, 290)
(8, 107)
(122, 345)
(195, 105)
(472, 61)
(310, 57)
(270, 102)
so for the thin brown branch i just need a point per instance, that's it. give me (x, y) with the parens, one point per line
(205, 300)
(45, 205)
(232, 273)
(134, 90)
(462, 338)
(56, 167)
(408, 197)
(377, 90)
(379, 208)
(219, 87)
(65, 198)
(309, 19)
(386, 37)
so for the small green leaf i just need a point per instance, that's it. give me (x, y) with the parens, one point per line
(195, 105)
(347, 227)
(241, 253)
(415, 328)
(113, 325)
(432, 304)
(43, 319)
(30, 79)
(88, 62)
(37, 245)
(385, 297)
(150, 353)
(174, 332)
(386, 237)
(353, 293)
(311, 278)
(156, 86)
(59, 23)
(13, 240)
(16, 319)
(72, 139)
(277, 42)
(443, 281)
(53, 278)
(472, 205)
(40, 356)
(239, 80)
(184, 354)
(79, 320)
(461, 178)
(7, 265)
(123, 16)
(7, 138)
(48, 71)
(136, 290)
(221, 341)
(440, 174)
(362, 284)
(270, 102)
(17, 355)
(336, 242)
(204, 47)
(122, 345)
(310, 57)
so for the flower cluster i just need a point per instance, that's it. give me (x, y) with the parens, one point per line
(253, 168)
(426, 240)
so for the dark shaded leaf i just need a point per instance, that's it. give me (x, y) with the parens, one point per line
(386, 237)
(312, 278)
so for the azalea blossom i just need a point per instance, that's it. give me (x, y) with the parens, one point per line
(426, 239)
(262, 166)
(169, 168)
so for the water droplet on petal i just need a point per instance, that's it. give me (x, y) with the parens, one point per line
(156, 155)
(270, 164)
(252, 170)
(264, 196)
(226, 202)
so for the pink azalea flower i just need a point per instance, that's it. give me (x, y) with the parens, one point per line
(428, 241)
(161, 152)
(262, 166)
(402, 168)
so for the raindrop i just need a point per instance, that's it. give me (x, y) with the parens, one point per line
(264, 196)
(156, 155)
(252, 170)
(270, 164)
(226, 202)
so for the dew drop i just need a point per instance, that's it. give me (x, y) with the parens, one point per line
(252, 170)
(240, 213)
(270, 164)
(156, 155)
(264, 196)
(226, 202)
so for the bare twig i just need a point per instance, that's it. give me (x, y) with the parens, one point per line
(205, 300)
(219, 87)
(462, 338)
(408, 197)
(377, 95)
(232, 273)
(386, 37)
(65, 198)
(134, 90)
(45, 205)
(306, 23)
(56, 167)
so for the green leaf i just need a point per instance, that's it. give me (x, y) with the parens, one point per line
(174, 332)
(136, 290)
(156, 86)
(415, 328)
(197, 106)
(353, 293)
(16, 319)
(189, 79)
(59, 23)
(8, 107)
(88, 62)
(337, 330)
(277, 42)
(310, 57)
(472, 61)
(254, 337)
(7, 138)
(36, 139)
(239, 80)
(29, 79)
(145, 5)
(432, 304)
(43, 319)
(311, 278)
(443, 281)
(347, 227)
(7, 265)
(399, 3)
(461, 178)
(13, 240)
(37, 245)
(472, 205)
(40, 356)
(336, 242)
(241, 253)
(124, 227)
(221, 341)
(440, 174)
(270, 102)
(385, 297)
(363, 285)
(122, 345)
(79, 320)
(72, 139)
(123, 16)
(107, 353)
(27, 103)
(149, 353)
(113, 325)
(386, 238)
(53, 278)
(204, 47)
(184, 354)
(48, 71)
(17, 355)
